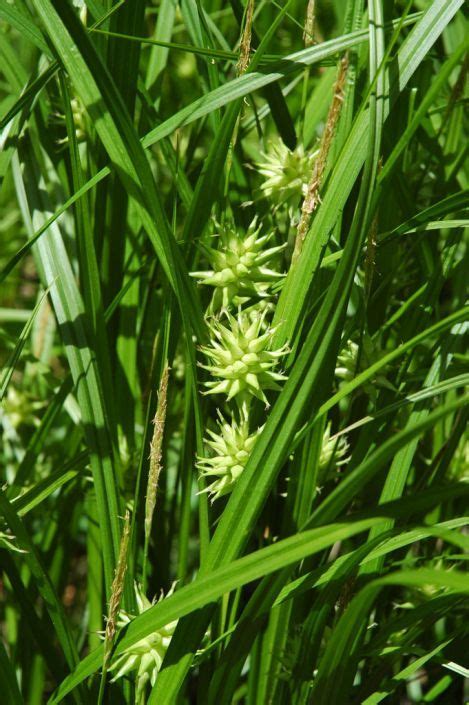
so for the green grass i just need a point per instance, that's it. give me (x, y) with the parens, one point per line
(325, 562)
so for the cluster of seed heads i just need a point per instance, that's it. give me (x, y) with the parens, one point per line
(242, 364)
(239, 357)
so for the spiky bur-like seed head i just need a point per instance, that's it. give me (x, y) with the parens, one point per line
(240, 268)
(347, 361)
(79, 119)
(352, 360)
(145, 656)
(286, 172)
(230, 448)
(333, 450)
(241, 359)
(20, 408)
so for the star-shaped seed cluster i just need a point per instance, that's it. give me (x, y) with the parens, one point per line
(333, 450)
(145, 656)
(240, 267)
(286, 172)
(241, 359)
(230, 448)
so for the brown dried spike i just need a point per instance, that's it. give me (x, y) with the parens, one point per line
(116, 591)
(156, 447)
(312, 198)
(245, 44)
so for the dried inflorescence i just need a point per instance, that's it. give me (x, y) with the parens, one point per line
(245, 43)
(156, 450)
(117, 589)
(311, 194)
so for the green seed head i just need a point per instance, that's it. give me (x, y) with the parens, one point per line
(146, 656)
(239, 267)
(20, 408)
(351, 361)
(286, 173)
(347, 360)
(333, 450)
(232, 447)
(241, 359)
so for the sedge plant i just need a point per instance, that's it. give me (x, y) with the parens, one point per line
(233, 318)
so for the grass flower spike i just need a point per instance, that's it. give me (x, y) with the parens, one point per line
(239, 268)
(286, 173)
(156, 451)
(232, 448)
(145, 656)
(240, 358)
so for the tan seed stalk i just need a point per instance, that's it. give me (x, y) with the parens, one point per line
(312, 198)
(241, 66)
(156, 447)
(245, 44)
(116, 591)
(308, 33)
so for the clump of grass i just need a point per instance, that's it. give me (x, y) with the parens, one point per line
(269, 200)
